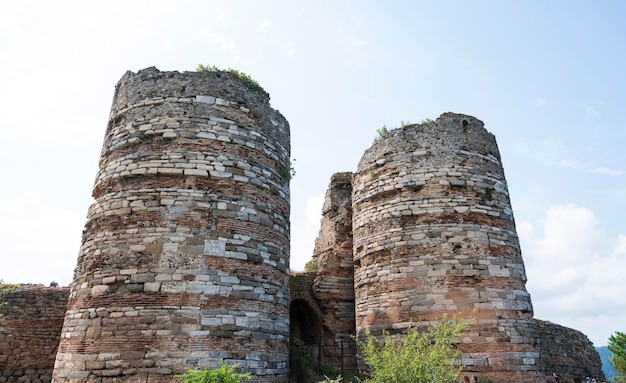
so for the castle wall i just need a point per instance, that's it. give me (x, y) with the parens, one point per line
(434, 234)
(333, 286)
(30, 327)
(184, 260)
(567, 352)
(185, 254)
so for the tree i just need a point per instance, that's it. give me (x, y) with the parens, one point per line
(225, 374)
(415, 357)
(5, 290)
(617, 346)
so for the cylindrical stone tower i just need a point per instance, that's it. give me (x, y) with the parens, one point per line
(184, 259)
(434, 233)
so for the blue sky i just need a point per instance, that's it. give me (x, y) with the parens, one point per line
(545, 77)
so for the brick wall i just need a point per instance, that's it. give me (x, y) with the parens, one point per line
(30, 327)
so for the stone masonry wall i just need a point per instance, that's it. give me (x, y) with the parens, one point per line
(434, 234)
(334, 284)
(569, 353)
(30, 327)
(184, 260)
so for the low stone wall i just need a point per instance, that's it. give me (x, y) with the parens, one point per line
(568, 352)
(30, 327)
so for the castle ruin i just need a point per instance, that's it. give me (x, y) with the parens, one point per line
(424, 228)
(184, 260)
(185, 255)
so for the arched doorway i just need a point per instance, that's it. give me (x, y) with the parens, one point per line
(305, 338)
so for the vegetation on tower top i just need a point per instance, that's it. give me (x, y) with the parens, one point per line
(248, 81)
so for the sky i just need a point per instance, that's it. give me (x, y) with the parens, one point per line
(547, 78)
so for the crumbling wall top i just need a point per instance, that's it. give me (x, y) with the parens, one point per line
(450, 133)
(151, 82)
(151, 86)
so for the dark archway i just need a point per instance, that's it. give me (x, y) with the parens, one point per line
(305, 323)
(305, 339)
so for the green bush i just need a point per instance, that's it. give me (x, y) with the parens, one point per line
(303, 364)
(414, 357)
(225, 374)
(6, 290)
(248, 81)
(287, 170)
(382, 132)
(310, 266)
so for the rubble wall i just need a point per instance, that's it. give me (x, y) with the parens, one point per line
(184, 260)
(334, 283)
(569, 353)
(30, 327)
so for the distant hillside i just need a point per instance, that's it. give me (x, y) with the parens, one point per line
(607, 368)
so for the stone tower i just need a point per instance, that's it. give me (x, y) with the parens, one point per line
(184, 259)
(434, 234)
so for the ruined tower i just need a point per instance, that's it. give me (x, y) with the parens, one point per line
(184, 259)
(333, 286)
(434, 234)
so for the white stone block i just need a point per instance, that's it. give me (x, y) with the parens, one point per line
(214, 247)
(196, 172)
(205, 99)
(99, 290)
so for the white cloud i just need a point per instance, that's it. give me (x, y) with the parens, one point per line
(356, 20)
(304, 233)
(607, 171)
(539, 102)
(265, 25)
(40, 241)
(11, 22)
(591, 110)
(524, 230)
(575, 273)
(218, 39)
(556, 154)
(620, 248)
(357, 42)
(275, 37)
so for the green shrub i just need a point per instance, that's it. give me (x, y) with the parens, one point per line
(248, 81)
(382, 132)
(6, 290)
(303, 364)
(286, 169)
(414, 357)
(310, 266)
(225, 374)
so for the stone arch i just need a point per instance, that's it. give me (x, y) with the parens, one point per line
(305, 338)
(306, 323)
